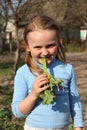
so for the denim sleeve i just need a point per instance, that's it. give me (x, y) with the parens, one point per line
(20, 92)
(75, 103)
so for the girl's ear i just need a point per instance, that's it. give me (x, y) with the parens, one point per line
(24, 45)
(27, 48)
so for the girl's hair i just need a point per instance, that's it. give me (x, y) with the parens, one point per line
(41, 23)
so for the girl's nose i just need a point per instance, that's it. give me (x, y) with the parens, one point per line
(44, 52)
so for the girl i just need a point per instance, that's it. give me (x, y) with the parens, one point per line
(42, 40)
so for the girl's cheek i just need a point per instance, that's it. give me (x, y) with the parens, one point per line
(54, 50)
(35, 54)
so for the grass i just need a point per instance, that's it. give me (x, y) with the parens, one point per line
(84, 96)
(6, 68)
(6, 116)
(73, 47)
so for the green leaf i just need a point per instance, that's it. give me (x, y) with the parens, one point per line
(44, 65)
(48, 95)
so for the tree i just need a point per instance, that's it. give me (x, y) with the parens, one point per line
(55, 9)
(76, 14)
(3, 14)
(14, 6)
(68, 13)
(3, 21)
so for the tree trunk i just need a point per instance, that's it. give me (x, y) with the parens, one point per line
(1, 45)
(17, 53)
(10, 39)
(17, 57)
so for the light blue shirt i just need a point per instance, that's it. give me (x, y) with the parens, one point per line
(66, 102)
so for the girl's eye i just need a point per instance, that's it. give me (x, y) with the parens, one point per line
(37, 47)
(51, 45)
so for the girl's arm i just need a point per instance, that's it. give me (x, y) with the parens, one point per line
(75, 103)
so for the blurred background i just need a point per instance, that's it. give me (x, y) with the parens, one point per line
(71, 17)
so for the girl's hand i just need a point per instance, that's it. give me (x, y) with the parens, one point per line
(39, 85)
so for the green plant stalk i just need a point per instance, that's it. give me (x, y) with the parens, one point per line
(48, 95)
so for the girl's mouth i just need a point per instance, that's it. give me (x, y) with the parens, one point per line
(46, 57)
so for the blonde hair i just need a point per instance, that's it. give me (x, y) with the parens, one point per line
(42, 23)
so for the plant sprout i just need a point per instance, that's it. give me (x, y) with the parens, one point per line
(48, 95)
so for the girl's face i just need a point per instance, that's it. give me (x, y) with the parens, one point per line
(43, 43)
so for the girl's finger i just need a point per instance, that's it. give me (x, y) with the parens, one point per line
(41, 76)
(42, 83)
(45, 87)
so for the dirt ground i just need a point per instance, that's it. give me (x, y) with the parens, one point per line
(79, 62)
